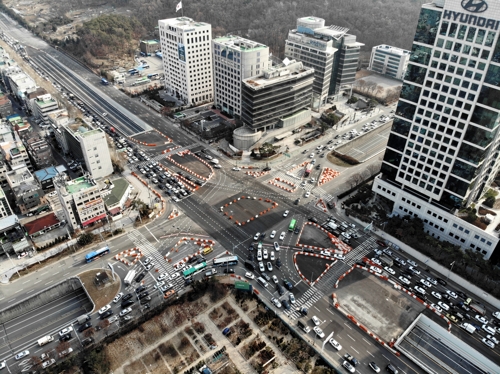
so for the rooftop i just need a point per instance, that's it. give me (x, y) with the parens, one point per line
(240, 44)
(116, 193)
(46, 174)
(183, 23)
(276, 74)
(42, 223)
(153, 41)
(79, 184)
(392, 50)
(8, 222)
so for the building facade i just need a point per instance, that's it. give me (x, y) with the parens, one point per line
(39, 151)
(5, 209)
(235, 59)
(43, 105)
(443, 150)
(149, 47)
(390, 61)
(315, 52)
(276, 94)
(5, 106)
(81, 201)
(26, 192)
(187, 59)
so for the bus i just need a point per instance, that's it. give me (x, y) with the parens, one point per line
(142, 80)
(292, 225)
(226, 261)
(194, 269)
(94, 255)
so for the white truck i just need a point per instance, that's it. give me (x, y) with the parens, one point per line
(468, 327)
(45, 340)
(210, 273)
(129, 278)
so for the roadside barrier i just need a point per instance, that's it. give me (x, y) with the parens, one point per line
(135, 252)
(327, 174)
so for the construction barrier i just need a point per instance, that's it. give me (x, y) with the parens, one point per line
(257, 174)
(281, 180)
(135, 252)
(327, 174)
(160, 197)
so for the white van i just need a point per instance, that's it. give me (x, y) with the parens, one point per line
(262, 282)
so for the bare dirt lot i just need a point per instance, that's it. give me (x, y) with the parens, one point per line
(101, 294)
(376, 304)
(315, 237)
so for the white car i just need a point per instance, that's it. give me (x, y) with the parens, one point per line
(46, 364)
(338, 256)
(481, 319)
(419, 290)
(65, 331)
(438, 308)
(118, 297)
(282, 235)
(489, 343)
(236, 168)
(272, 255)
(414, 270)
(444, 306)
(265, 254)
(22, 354)
(163, 276)
(404, 280)
(349, 367)
(276, 247)
(113, 319)
(269, 266)
(148, 260)
(376, 269)
(275, 279)
(273, 234)
(316, 320)
(412, 263)
(335, 344)
(489, 329)
(217, 166)
(432, 280)
(452, 294)
(256, 236)
(437, 295)
(319, 332)
(259, 255)
(174, 275)
(496, 315)
(390, 270)
(105, 308)
(493, 339)
(276, 302)
(125, 311)
(376, 261)
(291, 297)
(285, 213)
(311, 155)
(249, 275)
(307, 194)
(261, 266)
(425, 283)
(159, 285)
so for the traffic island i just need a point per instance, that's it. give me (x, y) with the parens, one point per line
(311, 266)
(100, 286)
(309, 238)
(192, 164)
(245, 209)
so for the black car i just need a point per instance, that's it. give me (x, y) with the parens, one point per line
(297, 231)
(278, 263)
(146, 300)
(286, 304)
(267, 168)
(143, 295)
(140, 289)
(229, 271)
(296, 202)
(126, 297)
(87, 341)
(188, 281)
(85, 327)
(251, 257)
(441, 281)
(330, 205)
(193, 259)
(288, 284)
(251, 247)
(106, 314)
(198, 182)
(352, 360)
(127, 303)
(140, 277)
(330, 142)
(65, 337)
(462, 295)
(361, 263)
(313, 219)
(266, 277)
(262, 236)
(200, 260)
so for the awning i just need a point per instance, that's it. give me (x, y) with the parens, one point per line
(114, 211)
(92, 220)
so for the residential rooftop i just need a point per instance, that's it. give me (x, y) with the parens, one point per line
(78, 184)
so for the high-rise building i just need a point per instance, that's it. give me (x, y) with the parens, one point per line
(313, 51)
(235, 59)
(443, 151)
(390, 61)
(186, 46)
(279, 97)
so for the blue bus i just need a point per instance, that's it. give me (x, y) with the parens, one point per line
(104, 81)
(94, 255)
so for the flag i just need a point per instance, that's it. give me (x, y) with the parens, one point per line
(178, 7)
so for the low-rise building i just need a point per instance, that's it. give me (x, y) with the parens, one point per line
(81, 201)
(12, 237)
(19, 125)
(43, 105)
(5, 106)
(390, 61)
(27, 193)
(45, 177)
(115, 196)
(40, 152)
(42, 225)
(5, 209)
(149, 46)
(31, 98)
(16, 155)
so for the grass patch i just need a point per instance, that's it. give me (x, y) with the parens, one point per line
(103, 295)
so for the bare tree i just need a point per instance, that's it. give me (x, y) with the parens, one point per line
(374, 168)
(355, 179)
(35, 361)
(89, 332)
(62, 346)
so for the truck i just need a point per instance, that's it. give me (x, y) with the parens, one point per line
(386, 260)
(309, 167)
(468, 327)
(45, 340)
(480, 309)
(82, 319)
(129, 278)
(210, 273)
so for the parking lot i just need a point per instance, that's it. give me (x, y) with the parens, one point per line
(376, 304)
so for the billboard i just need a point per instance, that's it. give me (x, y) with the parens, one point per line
(181, 51)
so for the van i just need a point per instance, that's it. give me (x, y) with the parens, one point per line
(304, 327)
(262, 282)
(207, 250)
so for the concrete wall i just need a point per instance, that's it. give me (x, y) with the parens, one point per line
(40, 299)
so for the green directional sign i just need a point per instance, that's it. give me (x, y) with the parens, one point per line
(287, 154)
(239, 285)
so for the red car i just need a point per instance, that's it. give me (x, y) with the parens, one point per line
(381, 243)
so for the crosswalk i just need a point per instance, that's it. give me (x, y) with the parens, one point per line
(308, 299)
(327, 283)
(360, 251)
(296, 178)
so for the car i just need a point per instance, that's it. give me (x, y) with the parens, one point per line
(259, 255)
(404, 280)
(351, 359)
(276, 302)
(452, 294)
(316, 320)
(269, 266)
(163, 276)
(339, 256)
(376, 269)
(140, 277)
(66, 352)
(488, 342)
(425, 283)
(462, 295)
(493, 339)
(496, 315)
(481, 319)
(276, 248)
(275, 279)
(265, 254)
(374, 367)
(22, 354)
(419, 290)
(335, 344)
(285, 213)
(489, 329)
(282, 235)
(87, 341)
(414, 270)
(65, 331)
(174, 275)
(441, 281)
(311, 155)
(381, 243)
(106, 314)
(376, 261)
(145, 300)
(236, 168)
(412, 263)
(118, 297)
(159, 285)
(148, 260)
(113, 319)
(142, 295)
(127, 297)
(438, 308)
(261, 266)
(444, 306)
(291, 297)
(139, 289)
(256, 236)
(390, 270)
(85, 327)
(307, 194)
(349, 367)
(65, 337)
(437, 295)
(265, 276)
(273, 234)
(104, 309)
(296, 231)
(432, 281)
(319, 332)
(126, 311)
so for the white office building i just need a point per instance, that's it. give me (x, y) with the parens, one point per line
(187, 59)
(235, 59)
(443, 151)
(390, 61)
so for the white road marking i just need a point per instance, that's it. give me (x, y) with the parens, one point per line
(48, 283)
(351, 337)
(26, 282)
(354, 350)
(367, 342)
(37, 282)
(11, 300)
(370, 354)
(346, 325)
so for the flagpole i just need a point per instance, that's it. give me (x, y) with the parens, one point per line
(182, 11)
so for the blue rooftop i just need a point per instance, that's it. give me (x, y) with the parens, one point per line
(46, 174)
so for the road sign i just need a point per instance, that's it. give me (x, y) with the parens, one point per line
(244, 286)
(287, 154)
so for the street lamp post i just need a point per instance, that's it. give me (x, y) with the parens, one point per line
(449, 271)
